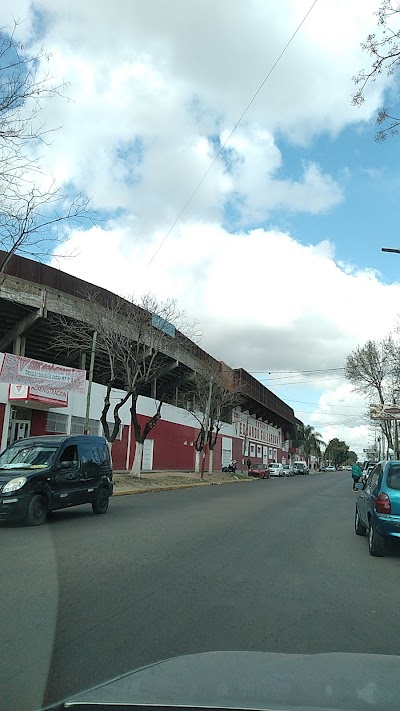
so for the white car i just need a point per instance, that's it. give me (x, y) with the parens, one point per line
(287, 470)
(276, 469)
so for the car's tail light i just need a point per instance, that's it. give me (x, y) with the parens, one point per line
(382, 504)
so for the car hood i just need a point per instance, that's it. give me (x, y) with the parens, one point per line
(257, 680)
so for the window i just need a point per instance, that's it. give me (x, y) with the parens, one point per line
(259, 450)
(70, 454)
(393, 477)
(77, 424)
(373, 477)
(56, 422)
(252, 449)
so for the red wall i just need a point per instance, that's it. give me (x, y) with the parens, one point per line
(38, 422)
(170, 451)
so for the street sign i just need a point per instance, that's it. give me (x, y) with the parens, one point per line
(384, 412)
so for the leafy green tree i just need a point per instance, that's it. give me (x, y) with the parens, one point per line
(351, 458)
(337, 452)
(310, 441)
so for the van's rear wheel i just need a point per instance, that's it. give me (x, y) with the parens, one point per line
(37, 510)
(100, 501)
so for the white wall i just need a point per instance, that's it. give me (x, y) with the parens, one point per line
(146, 406)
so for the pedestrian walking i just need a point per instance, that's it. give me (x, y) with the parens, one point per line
(248, 464)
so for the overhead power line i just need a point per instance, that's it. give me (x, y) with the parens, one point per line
(271, 383)
(318, 404)
(295, 372)
(223, 146)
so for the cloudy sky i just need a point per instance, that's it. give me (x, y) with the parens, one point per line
(278, 253)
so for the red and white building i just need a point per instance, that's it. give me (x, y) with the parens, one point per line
(40, 394)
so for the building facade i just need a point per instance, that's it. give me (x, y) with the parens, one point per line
(45, 392)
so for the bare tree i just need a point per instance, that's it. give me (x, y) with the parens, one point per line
(374, 370)
(31, 206)
(211, 404)
(130, 354)
(384, 51)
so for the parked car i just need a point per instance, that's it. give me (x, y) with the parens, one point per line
(378, 506)
(300, 467)
(366, 473)
(42, 474)
(287, 470)
(260, 470)
(330, 468)
(275, 469)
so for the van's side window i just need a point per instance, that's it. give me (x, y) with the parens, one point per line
(101, 455)
(70, 454)
(87, 453)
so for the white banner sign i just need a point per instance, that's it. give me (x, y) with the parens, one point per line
(20, 370)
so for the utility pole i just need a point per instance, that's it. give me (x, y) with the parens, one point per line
(89, 391)
(244, 445)
(206, 426)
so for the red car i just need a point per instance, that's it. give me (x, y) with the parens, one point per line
(260, 470)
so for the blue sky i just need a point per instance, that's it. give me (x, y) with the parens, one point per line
(366, 220)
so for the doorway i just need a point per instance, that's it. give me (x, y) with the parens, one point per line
(20, 424)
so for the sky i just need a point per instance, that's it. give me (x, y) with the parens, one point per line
(278, 254)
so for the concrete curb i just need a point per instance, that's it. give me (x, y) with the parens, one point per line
(133, 492)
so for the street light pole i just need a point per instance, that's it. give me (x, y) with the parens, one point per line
(89, 390)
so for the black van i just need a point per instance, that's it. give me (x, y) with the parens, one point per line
(41, 474)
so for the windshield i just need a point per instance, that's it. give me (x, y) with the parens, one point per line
(29, 457)
(393, 477)
(166, 166)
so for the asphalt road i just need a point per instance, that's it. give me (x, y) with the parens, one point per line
(269, 566)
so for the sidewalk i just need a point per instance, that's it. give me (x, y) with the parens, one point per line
(165, 481)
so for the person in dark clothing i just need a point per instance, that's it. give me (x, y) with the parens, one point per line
(248, 464)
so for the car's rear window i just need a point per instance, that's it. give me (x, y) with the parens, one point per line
(393, 477)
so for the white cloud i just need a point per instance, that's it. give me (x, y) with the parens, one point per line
(342, 413)
(150, 82)
(315, 313)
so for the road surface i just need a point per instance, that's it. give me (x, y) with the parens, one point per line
(268, 565)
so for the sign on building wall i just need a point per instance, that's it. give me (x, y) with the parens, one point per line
(54, 397)
(163, 325)
(39, 375)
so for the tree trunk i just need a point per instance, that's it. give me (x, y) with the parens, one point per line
(109, 445)
(136, 470)
(210, 460)
(197, 462)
